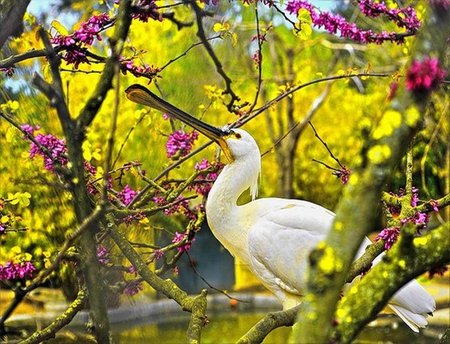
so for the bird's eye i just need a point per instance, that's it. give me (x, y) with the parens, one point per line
(237, 135)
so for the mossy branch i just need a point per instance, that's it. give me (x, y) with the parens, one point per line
(197, 305)
(269, 323)
(406, 260)
(59, 322)
(198, 318)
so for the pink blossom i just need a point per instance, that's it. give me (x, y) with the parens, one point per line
(158, 254)
(102, 254)
(202, 185)
(180, 207)
(29, 129)
(138, 71)
(55, 147)
(133, 287)
(74, 44)
(389, 235)
(343, 174)
(145, 10)
(424, 77)
(434, 204)
(182, 237)
(126, 195)
(133, 217)
(11, 270)
(180, 143)
(334, 23)
(415, 196)
(9, 71)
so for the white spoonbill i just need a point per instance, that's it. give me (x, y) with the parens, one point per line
(272, 236)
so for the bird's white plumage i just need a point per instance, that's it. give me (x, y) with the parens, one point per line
(274, 236)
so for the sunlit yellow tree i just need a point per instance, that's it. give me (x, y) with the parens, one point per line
(90, 178)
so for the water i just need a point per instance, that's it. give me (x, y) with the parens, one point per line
(228, 328)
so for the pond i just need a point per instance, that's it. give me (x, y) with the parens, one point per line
(229, 328)
(164, 322)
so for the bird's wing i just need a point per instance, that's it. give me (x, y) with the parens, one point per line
(281, 238)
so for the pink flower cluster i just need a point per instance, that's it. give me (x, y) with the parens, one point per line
(10, 71)
(181, 207)
(146, 9)
(127, 65)
(158, 254)
(133, 218)
(56, 147)
(405, 17)
(204, 182)
(133, 287)
(334, 23)
(424, 77)
(126, 195)
(75, 43)
(11, 270)
(390, 235)
(180, 143)
(182, 237)
(102, 254)
(343, 174)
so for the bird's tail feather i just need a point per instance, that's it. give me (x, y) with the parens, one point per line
(413, 320)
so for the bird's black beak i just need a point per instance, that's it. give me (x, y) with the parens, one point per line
(141, 95)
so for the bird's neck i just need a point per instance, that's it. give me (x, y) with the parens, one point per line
(224, 216)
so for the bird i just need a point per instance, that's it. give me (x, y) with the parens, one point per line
(272, 236)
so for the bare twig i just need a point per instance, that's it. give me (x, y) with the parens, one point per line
(326, 146)
(200, 14)
(224, 292)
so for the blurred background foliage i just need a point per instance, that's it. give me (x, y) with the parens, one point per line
(192, 83)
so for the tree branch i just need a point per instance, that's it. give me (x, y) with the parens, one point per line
(379, 286)
(59, 322)
(93, 104)
(199, 13)
(12, 22)
(269, 323)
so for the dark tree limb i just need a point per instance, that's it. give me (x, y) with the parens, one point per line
(94, 102)
(11, 19)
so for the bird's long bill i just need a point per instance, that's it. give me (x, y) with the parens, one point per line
(141, 95)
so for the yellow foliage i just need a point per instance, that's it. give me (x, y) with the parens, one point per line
(59, 28)
(412, 115)
(390, 121)
(11, 106)
(379, 154)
